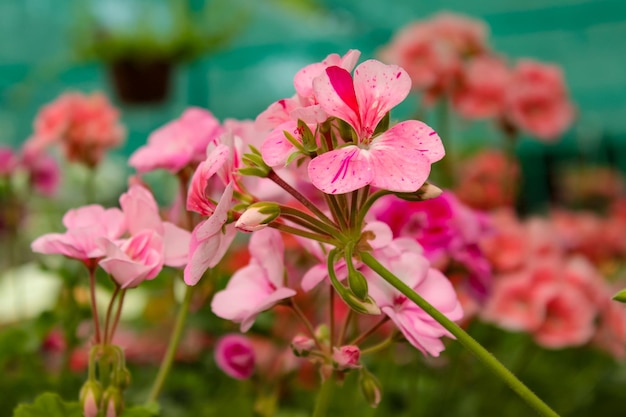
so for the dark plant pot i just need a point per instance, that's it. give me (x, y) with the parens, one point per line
(141, 82)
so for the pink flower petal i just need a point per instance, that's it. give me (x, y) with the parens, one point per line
(379, 88)
(341, 170)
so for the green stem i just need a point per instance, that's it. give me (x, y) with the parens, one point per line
(307, 323)
(369, 331)
(118, 313)
(94, 307)
(464, 338)
(323, 398)
(314, 223)
(364, 208)
(296, 194)
(175, 337)
(377, 348)
(107, 334)
(299, 232)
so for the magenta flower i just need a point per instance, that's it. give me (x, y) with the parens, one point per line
(419, 328)
(257, 286)
(398, 159)
(85, 226)
(178, 143)
(234, 354)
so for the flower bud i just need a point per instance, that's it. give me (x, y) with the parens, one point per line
(425, 192)
(346, 357)
(90, 395)
(370, 387)
(620, 296)
(367, 306)
(112, 402)
(234, 355)
(257, 216)
(302, 345)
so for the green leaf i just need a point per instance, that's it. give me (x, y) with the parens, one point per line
(49, 405)
(620, 296)
(150, 410)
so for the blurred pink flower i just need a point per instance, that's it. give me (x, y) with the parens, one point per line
(8, 161)
(347, 357)
(234, 354)
(84, 125)
(482, 90)
(198, 198)
(537, 100)
(398, 159)
(179, 143)
(43, 172)
(257, 286)
(488, 180)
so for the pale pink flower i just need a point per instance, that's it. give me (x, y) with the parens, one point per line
(398, 159)
(210, 239)
(259, 285)
(234, 354)
(537, 100)
(465, 35)
(179, 143)
(85, 226)
(419, 328)
(483, 86)
(347, 357)
(133, 260)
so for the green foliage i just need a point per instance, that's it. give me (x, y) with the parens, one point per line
(49, 405)
(187, 36)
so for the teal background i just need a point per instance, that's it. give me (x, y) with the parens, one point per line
(586, 37)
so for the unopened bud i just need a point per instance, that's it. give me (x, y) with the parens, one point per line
(302, 345)
(357, 283)
(367, 306)
(90, 395)
(370, 387)
(347, 357)
(426, 192)
(112, 402)
(257, 216)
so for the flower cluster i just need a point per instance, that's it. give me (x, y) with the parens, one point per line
(85, 126)
(448, 57)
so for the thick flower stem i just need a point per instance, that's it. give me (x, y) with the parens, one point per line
(175, 337)
(323, 398)
(463, 337)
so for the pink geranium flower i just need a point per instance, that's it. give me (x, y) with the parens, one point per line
(152, 242)
(398, 159)
(210, 239)
(178, 143)
(84, 125)
(259, 285)
(538, 102)
(85, 226)
(234, 354)
(419, 328)
(483, 87)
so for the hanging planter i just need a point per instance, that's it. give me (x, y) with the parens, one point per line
(141, 82)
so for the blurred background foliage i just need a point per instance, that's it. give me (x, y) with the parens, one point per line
(235, 57)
